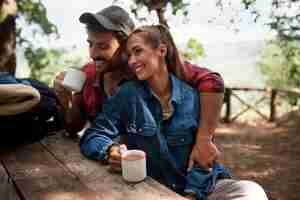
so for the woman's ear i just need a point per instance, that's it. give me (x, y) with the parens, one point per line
(163, 49)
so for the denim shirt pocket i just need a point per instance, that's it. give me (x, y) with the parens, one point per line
(180, 145)
(181, 125)
(142, 137)
(179, 139)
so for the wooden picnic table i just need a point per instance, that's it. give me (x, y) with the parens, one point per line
(54, 169)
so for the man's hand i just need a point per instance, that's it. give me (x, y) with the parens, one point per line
(114, 157)
(204, 153)
(63, 94)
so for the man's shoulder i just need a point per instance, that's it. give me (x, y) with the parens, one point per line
(195, 67)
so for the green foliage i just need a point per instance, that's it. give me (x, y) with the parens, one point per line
(280, 59)
(179, 5)
(43, 62)
(176, 5)
(40, 67)
(280, 62)
(34, 14)
(193, 50)
(284, 17)
(285, 20)
(50, 62)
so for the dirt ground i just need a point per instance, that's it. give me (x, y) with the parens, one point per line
(268, 153)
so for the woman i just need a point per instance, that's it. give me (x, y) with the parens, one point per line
(159, 113)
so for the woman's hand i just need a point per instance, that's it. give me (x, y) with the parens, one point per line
(115, 157)
(204, 153)
(64, 95)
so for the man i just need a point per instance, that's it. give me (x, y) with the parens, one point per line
(106, 31)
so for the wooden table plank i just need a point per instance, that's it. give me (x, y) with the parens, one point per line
(39, 176)
(7, 190)
(97, 177)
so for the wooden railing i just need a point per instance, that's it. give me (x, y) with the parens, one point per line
(270, 94)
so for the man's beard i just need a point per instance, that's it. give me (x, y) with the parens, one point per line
(101, 65)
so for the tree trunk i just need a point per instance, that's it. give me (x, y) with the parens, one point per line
(161, 16)
(8, 38)
(159, 6)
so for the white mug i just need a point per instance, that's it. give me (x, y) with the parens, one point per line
(134, 165)
(74, 79)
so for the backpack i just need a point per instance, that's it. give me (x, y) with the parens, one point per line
(48, 111)
(35, 124)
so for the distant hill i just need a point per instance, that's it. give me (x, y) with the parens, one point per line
(235, 61)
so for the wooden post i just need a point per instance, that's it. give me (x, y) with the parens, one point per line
(227, 100)
(273, 105)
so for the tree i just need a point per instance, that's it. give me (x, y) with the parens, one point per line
(34, 14)
(8, 10)
(280, 59)
(159, 6)
(284, 16)
(51, 61)
(280, 62)
(193, 50)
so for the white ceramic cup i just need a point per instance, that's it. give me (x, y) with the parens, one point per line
(74, 79)
(134, 165)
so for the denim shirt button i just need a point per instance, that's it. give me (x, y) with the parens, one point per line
(182, 140)
(140, 130)
(173, 186)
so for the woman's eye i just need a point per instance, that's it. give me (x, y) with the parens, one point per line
(137, 51)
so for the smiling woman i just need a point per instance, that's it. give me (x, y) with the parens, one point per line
(145, 59)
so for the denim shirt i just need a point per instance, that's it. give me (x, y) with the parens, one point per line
(135, 111)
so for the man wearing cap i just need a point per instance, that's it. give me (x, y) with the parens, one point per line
(106, 31)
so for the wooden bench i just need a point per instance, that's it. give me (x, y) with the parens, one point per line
(54, 169)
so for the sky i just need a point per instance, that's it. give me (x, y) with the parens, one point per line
(65, 15)
(220, 38)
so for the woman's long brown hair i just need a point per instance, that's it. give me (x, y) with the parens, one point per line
(154, 36)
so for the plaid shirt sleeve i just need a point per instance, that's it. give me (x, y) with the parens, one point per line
(204, 79)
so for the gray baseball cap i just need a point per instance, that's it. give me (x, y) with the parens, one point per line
(112, 18)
